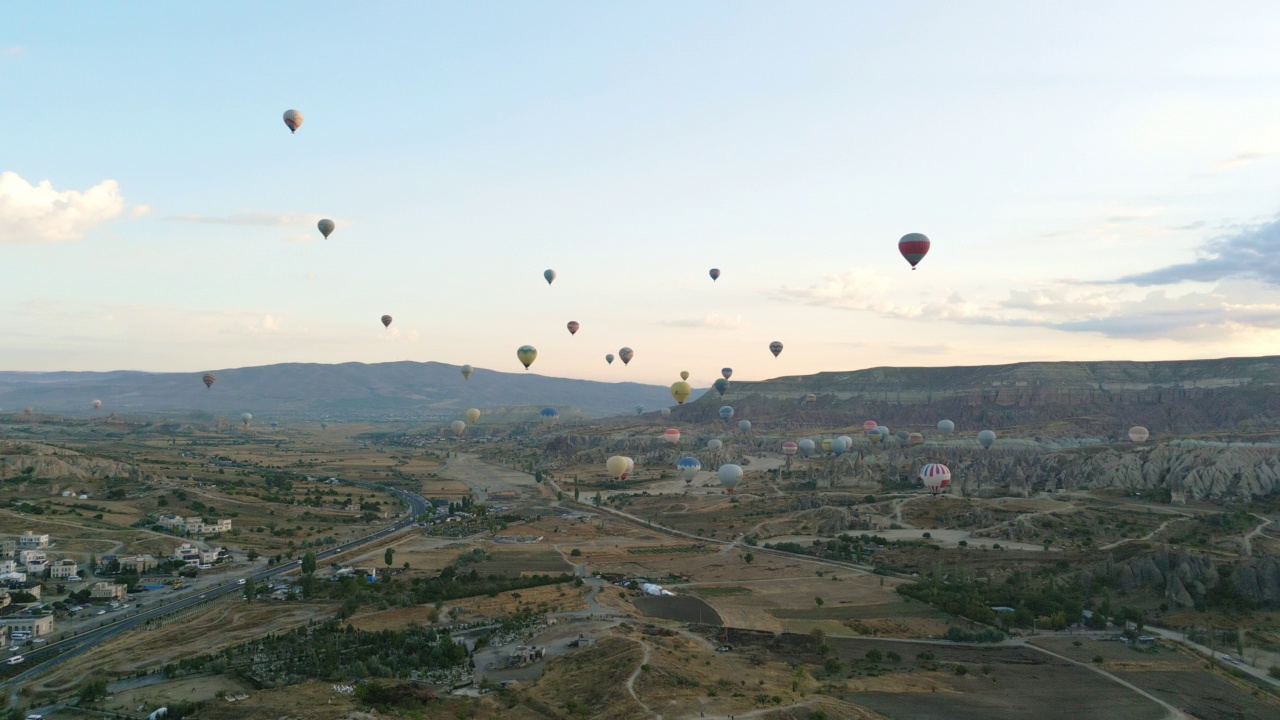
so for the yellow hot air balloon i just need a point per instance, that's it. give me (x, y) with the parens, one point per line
(473, 415)
(681, 391)
(684, 374)
(527, 354)
(458, 427)
(616, 465)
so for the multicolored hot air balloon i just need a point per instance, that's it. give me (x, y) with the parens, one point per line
(325, 227)
(807, 447)
(573, 327)
(726, 372)
(789, 448)
(466, 372)
(617, 466)
(936, 477)
(625, 355)
(549, 415)
(1138, 434)
(457, 426)
(870, 425)
(246, 418)
(827, 445)
(28, 410)
(946, 427)
(684, 374)
(775, 347)
(672, 436)
(209, 379)
(987, 438)
(913, 246)
(715, 274)
(726, 412)
(549, 274)
(526, 354)
(473, 415)
(744, 425)
(681, 390)
(609, 358)
(386, 321)
(721, 386)
(730, 475)
(96, 404)
(293, 120)
(915, 439)
(689, 467)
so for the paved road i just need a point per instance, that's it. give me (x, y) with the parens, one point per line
(45, 658)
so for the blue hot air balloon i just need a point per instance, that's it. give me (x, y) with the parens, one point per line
(549, 414)
(689, 467)
(726, 412)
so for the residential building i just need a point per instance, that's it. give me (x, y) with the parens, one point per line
(63, 569)
(189, 554)
(170, 522)
(209, 557)
(34, 624)
(30, 539)
(37, 568)
(217, 527)
(8, 566)
(137, 563)
(106, 591)
(26, 557)
(194, 525)
(8, 546)
(5, 599)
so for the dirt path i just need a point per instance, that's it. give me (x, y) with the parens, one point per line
(1173, 713)
(1248, 537)
(631, 681)
(1152, 534)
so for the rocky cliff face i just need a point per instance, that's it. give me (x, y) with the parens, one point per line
(1185, 579)
(54, 463)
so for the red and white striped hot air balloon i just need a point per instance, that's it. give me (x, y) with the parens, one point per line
(913, 246)
(870, 425)
(789, 448)
(936, 477)
(671, 436)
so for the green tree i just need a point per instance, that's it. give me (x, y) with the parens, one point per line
(749, 557)
(389, 556)
(250, 589)
(252, 555)
(874, 655)
(818, 600)
(308, 563)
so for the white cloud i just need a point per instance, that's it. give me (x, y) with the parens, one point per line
(140, 210)
(13, 51)
(1240, 160)
(714, 321)
(301, 238)
(253, 218)
(38, 213)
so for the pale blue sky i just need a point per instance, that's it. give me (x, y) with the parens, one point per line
(464, 148)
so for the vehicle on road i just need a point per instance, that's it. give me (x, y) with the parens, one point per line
(14, 660)
(241, 581)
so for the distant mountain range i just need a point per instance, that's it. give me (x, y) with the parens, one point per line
(307, 391)
(1235, 394)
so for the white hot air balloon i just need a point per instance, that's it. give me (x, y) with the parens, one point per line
(457, 426)
(730, 475)
(1138, 434)
(936, 477)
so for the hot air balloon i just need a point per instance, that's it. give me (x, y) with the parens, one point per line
(386, 321)
(549, 274)
(275, 424)
(639, 409)
(744, 425)
(98, 403)
(625, 355)
(684, 374)
(810, 399)
(870, 425)
(293, 120)
(730, 475)
(666, 412)
(689, 467)
(901, 435)
(209, 379)
(527, 354)
(715, 274)
(721, 386)
(617, 466)
(987, 438)
(789, 448)
(1138, 434)
(631, 465)
(714, 444)
(726, 412)
(473, 415)
(324, 426)
(913, 246)
(883, 432)
(726, 372)
(28, 410)
(672, 436)
(466, 372)
(915, 439)
(946, 427)
(573, 327)
(246, 418)
(936, 477)
(838, 446)
(848, 442)
(609, 358)
(807, 447)
(775, 347)
(549, 415)
(325, 227)
(827, 445)
(457, 426)
(681, 391)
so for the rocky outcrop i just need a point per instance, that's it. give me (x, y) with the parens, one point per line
(36, 460)
(1184, 579)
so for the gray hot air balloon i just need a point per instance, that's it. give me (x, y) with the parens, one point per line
(549, 274)
(946, 427)
(730, 475)
(246, 418)
(714, 444)
(807, 447)
(325, 227)
(987, 438)
(744, 425)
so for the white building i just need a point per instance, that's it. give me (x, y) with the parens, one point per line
(26, 557)
(37, 626)
(30, 539)
(64, 569)
(37, 568)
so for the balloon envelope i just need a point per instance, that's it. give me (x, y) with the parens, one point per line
(714, 444)
(838, 446)
(681, 391)
(293, 120)
(246, 418)
(775, 347)
(726, 372)
(325, 227)
(870, 425)
(473, 415)
(936, 477)
(457, 426)
(573, 327)
(810, 399)
(97, 404)
(715, 274)
(625, 355)
(209, 379)
(526, 354)
(665, 412)
(639, 409)
(946, 427)
(386, 321)
(689, 467)
(549, 274)
(684, 374)
(549, 414)
(730, 475)
(913, 246)
(827, 445)
(721, 386)
(726, 412)
(807, 447)
(986, 438)
(789, 448)
(1137, 434)
(609, 358)
(466, 372)
(616, 465)
(671, 436)
(744, 425)
(915, 439)
(848, 442)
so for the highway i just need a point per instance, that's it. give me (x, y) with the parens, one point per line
(43, 659)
